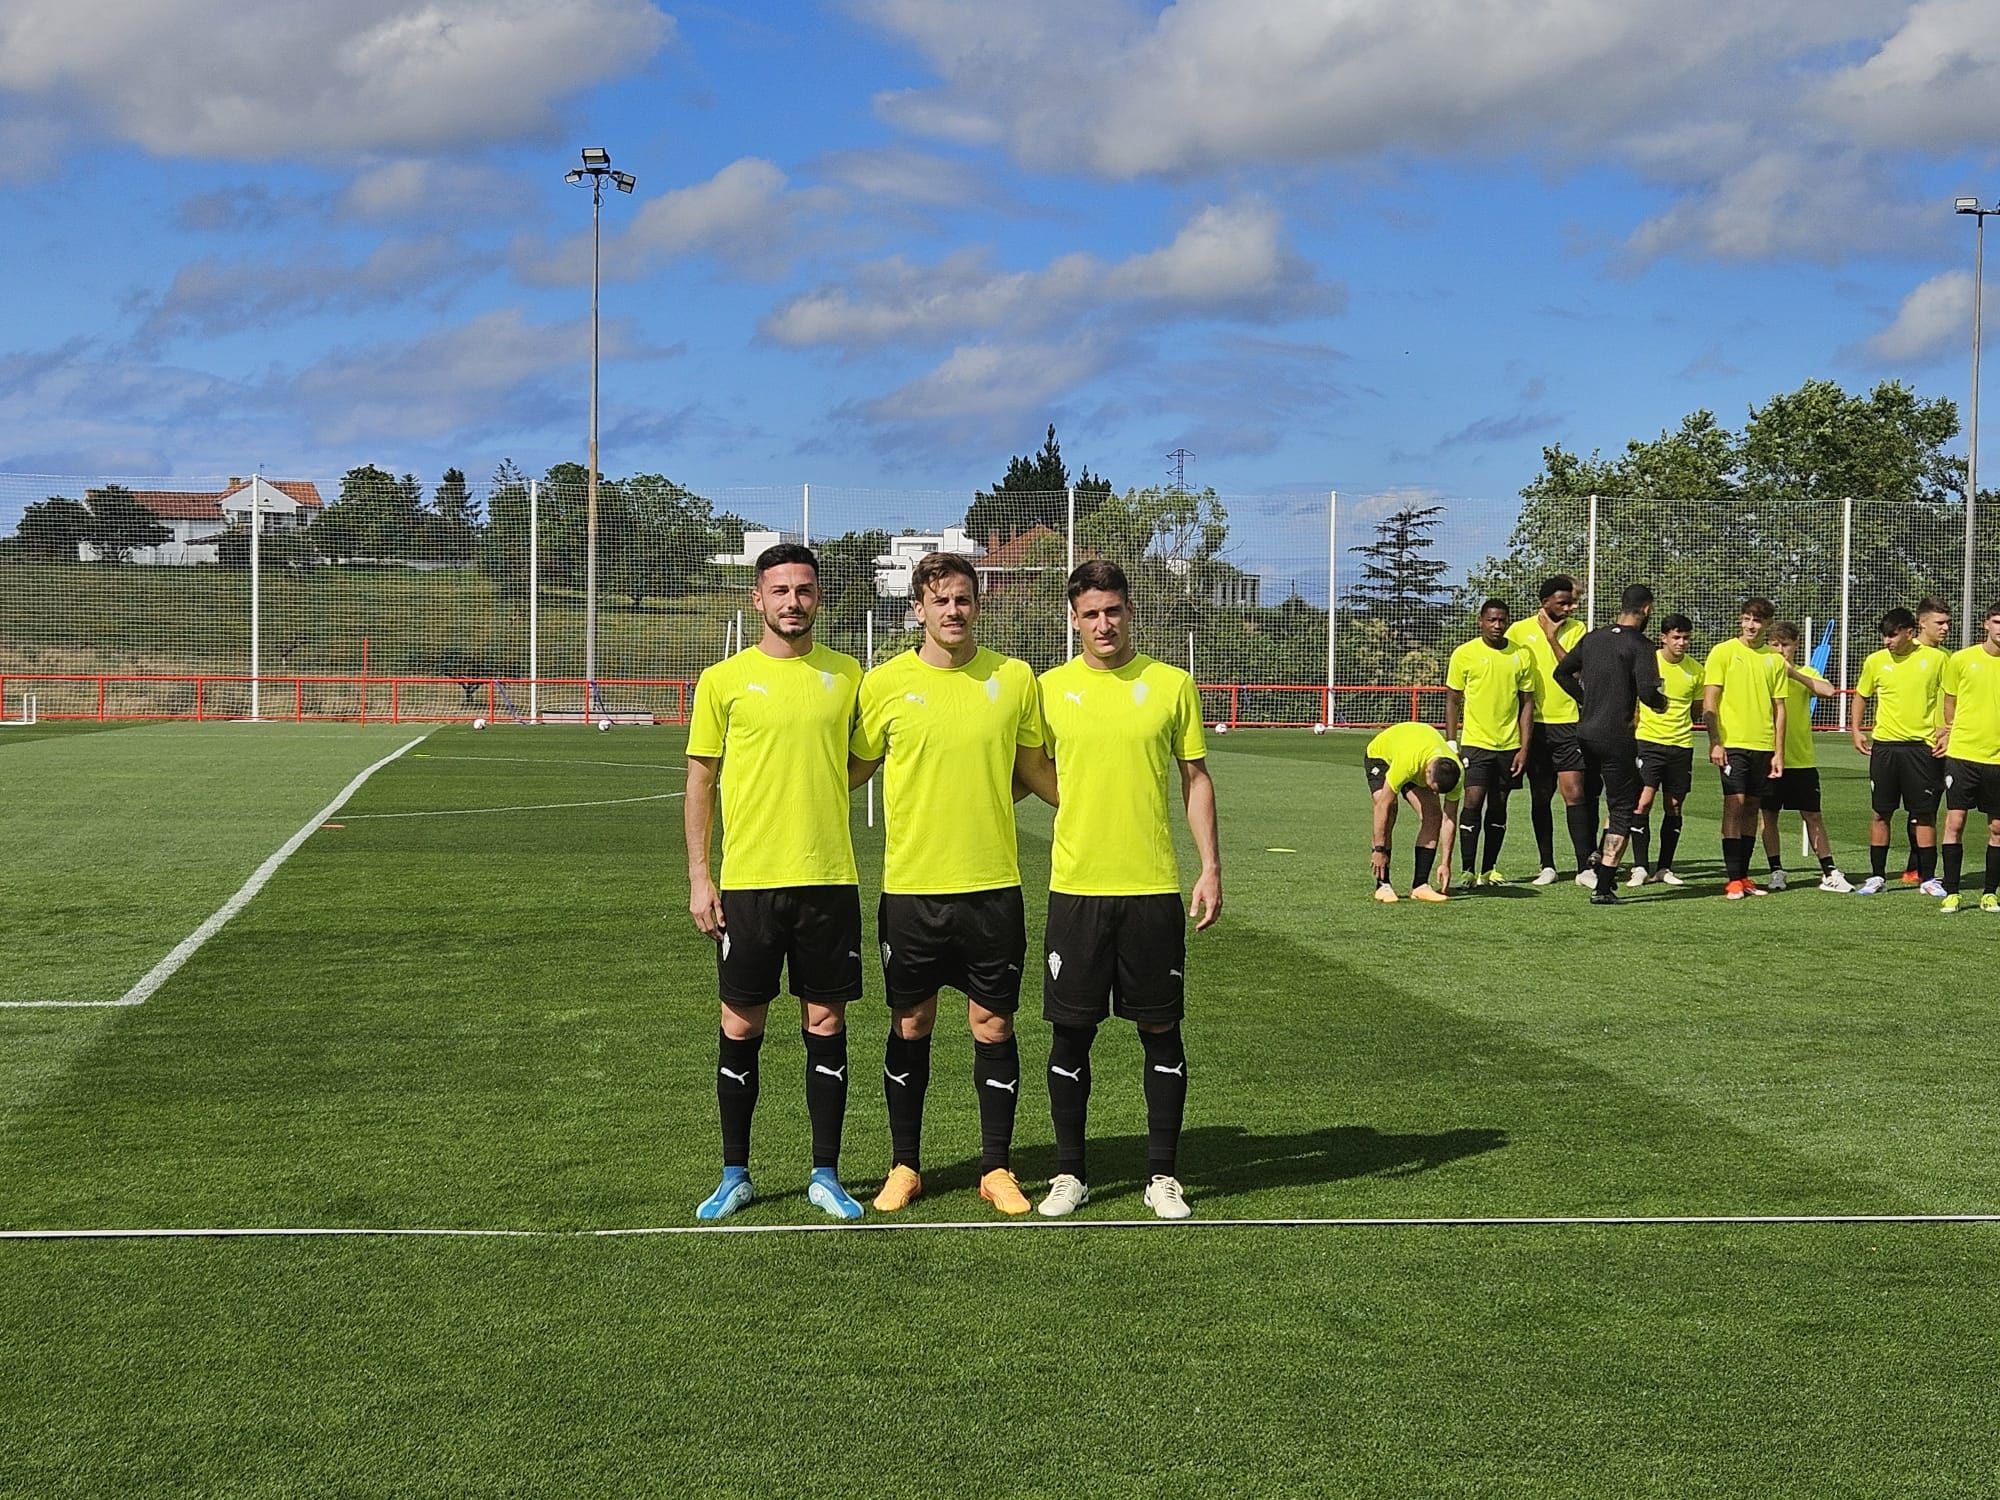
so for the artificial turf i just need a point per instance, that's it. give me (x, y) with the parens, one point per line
(505, 1019)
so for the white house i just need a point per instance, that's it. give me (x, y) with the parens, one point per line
(754, 542)
(197, 518)
(894, 567)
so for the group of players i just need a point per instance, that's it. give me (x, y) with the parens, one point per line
(784, 731)
(1612, 714)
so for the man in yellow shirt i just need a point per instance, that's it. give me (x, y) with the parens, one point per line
(1666, 754)
(1933, 626)
(1555, 751)
(1489, 714)
(1743, 699)
(1905, 762)
(954, 724)
(1798, 789)
(772, 724)
(1971, 737)
(1119, 726)
(1412, 763)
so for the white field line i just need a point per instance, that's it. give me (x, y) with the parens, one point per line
(466, 812)
(186, 949)
(1581, 1221)
(539, 760)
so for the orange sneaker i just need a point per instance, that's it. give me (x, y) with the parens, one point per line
(1734, 890)
(1911, 877)
(1428, 893)
(902, 1189)
(1002, 1189)
(1386, 894)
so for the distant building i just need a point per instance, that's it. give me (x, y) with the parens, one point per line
(894, 567)
(754, 543)
(1005, 564)
(198, 518)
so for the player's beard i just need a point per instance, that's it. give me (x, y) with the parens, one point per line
(789, 626)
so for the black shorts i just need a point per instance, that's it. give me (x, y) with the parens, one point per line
(1114, 955)
(1553, 748)
(1489, 768)
(1904, 773)
(812, 930)
(1667, 768)
(1972, 786)
(974, 941)
(1745, 773)
(1795, 791)
(1615, 764)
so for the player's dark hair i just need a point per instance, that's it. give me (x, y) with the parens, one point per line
(1561, 583)
(934, 567)
(1929, 606)
(1635, 598)
(1099, 576)
(1499, 604)
(1991, 611)
(1677, 622)
(1444, 775)
(1896, 619)
(783, 553)
(1785, 630)
(1759, 608)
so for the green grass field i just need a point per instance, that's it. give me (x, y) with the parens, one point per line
(477, 1003)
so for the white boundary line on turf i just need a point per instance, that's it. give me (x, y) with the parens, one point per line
(184, 950)
(466, 812)
(1578, 1221)
(543, 760)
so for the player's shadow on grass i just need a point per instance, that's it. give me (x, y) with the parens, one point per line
(1220, 1161)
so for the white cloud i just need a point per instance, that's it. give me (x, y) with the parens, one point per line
(1935, 319)
(904, 174)
(415, 188)
(1805, 205)
(1935, 81)
(217, 78)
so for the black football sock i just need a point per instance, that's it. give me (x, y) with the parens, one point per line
(1642, 844)
(1545, 829)
(1069, 1094)
(1166, 1099)
(1826, 864)
(1468, 845)
(1878, 861)
(1670, 839)
(1607, 876)
(1915, 854)
(1775, 861)
(996, 1074)
(1992, 868)
(1496, 829)
(1927, 862)
(1426, 861)
(1582, 820)
(906, 1075)
(736, 1085)
(826, 1094)
(1954, 863)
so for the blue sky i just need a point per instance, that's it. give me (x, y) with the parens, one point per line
(1356, 244)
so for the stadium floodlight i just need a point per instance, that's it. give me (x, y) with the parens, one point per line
(596, 166)
(1978, 211)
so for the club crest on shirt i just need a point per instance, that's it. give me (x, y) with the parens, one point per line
(993, 690)
(826, 681)
(916, 698)
(1139, 691)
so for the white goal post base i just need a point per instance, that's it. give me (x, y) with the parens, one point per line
(27, 714)
(616, 718)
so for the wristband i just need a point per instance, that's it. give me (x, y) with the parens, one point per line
(1379, 849)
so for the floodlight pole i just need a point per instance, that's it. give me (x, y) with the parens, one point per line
(1972, 206)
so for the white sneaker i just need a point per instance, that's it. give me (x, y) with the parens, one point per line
(1546, 876)
(1165, 1197)
(1637, 878)
(1668, 877)
(1934, 888)
(1872, 886)
(1777, 880)
(1836, 882)
(1587, 879)
(1066, 1195)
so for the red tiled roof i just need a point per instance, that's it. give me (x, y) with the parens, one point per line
(201, 505)
(1013, 553)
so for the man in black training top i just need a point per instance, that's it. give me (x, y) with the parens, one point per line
(1609, 673)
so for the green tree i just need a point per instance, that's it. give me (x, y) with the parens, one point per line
(119, 524)
(377, 516)
(1402, 585)
(51, 528)
(503, 544)
(454, 519)
(655, 538)
(1034, 491)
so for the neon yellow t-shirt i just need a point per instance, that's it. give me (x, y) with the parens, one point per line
(1799, 752)
(1752, 679)
(1115, 736)
(1680, 681)
(1552, 704)
(780, 726)
(1408, 748)
(1906, 690)
(1492, 679)
(946, 738)
(1972, 677)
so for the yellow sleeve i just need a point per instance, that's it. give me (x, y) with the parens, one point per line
(1030, 730)
(870, 740)
(708, 723)
(1711, 669)
(1189, 741)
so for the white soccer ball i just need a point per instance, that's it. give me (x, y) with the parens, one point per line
(1221, 727)
(1319, 729)
(603, 723)
(478, 723)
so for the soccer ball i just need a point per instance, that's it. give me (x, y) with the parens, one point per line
(603, 723)
(478, 723)
(1221, 727)
(1319, 729)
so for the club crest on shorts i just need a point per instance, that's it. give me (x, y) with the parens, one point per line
(1055, 966)
(725, 945)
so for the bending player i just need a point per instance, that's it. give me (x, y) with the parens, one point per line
(955, 724)
(1798, 789)
(1555, 759)
(1665, 741)
(1412, 763)
(1612, 671)
(1905, 764)
(1743, 698)
(1971, 740)
(775, 721)
(1120, 724)
(1490, 684)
